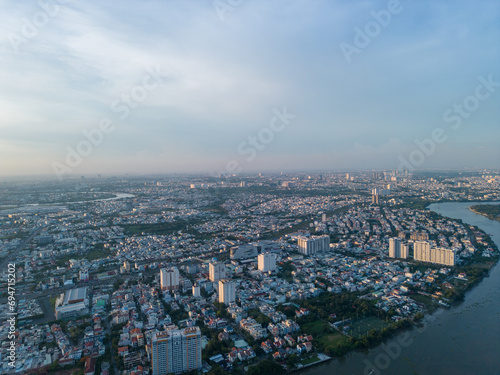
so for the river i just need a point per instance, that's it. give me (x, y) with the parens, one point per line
(117, 196)
(464, 340)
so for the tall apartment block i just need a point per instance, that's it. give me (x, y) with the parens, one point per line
(216, 271)
(397, 249)
(314, 244)
(227, 291)
(423, 252)
(267, 262)
(169, 278)
(176, 351)
(394, 247)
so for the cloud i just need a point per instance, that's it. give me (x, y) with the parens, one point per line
(227, 76)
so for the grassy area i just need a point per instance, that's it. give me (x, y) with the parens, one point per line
(53, 302)
(360, 328)
(334, 344)
(316, 328)
(160, 228)
(308, 361)
(216, 208)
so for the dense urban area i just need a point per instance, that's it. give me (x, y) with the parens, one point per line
(225, 274)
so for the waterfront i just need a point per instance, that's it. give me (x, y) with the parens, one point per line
(462, 340)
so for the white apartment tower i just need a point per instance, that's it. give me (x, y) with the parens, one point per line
(196, 291)
(394, 247)
(169, 278)
(227, 291)
(423, 252)
(267, 262)
(404, 251)
(314, 244)
(216, 271)
(176, 351)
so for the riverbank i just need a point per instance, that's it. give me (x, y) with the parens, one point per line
(492, 211)
(457, 329)
(322, 358)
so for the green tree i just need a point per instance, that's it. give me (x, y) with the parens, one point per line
(292, 361)
(266, 367)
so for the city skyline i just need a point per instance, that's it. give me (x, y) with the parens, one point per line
(175, 87)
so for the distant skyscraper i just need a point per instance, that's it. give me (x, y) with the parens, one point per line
(227, 291)
(267, 262)
(176, 351)
(169, 278)
(216, 271)
(323, 218)
(423, 252)
(404, 251)
(314, 244)
(394, 247)
(375, 199)
(196, 291)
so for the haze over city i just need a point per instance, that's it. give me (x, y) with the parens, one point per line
(249, 187)
(185, 84)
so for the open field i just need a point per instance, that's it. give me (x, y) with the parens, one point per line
(360, 328)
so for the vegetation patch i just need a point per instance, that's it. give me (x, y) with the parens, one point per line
(360, 328)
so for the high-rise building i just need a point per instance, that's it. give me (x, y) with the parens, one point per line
(312, 245)
(423, 252)
(267, 262)
(395, 247)
(443, 256)
(323, 218)
(227, 291)
(404, 251)
(216, 271)
(176, 351)
(196, 291)
(375, 199)
(169, 278)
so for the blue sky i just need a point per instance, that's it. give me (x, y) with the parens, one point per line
(227, 74)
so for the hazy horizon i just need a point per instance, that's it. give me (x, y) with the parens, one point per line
(179, 87)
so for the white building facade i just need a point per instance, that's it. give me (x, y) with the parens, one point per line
(169, 278)
(313, 245)
(176, 351)
(267, 262)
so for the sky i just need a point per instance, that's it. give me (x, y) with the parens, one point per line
(153, 86)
